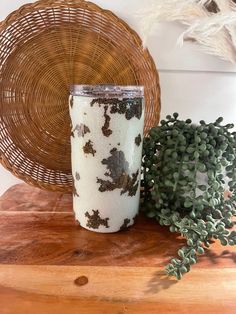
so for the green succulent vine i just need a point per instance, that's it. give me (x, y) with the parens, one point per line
(186, 170)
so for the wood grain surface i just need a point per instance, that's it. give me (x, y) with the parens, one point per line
(49, 264)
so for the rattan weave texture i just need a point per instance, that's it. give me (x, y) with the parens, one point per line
(45, 47)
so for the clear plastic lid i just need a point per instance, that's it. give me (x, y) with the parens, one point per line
(107, 91)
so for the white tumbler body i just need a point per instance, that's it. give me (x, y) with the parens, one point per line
(106, 152)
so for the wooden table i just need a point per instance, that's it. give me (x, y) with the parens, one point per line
(49, 264)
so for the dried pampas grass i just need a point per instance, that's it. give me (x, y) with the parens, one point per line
(211, 23)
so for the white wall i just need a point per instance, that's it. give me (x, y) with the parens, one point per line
(192, 83)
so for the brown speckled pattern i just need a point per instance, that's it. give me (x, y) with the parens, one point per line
(124, 226)
(138, 140)
(212, 6)
(75, 193)
(130, 108)
(118, 171)
(95, 221)
(132, 183)
(105, 128)
(88, 148)
(81, 129)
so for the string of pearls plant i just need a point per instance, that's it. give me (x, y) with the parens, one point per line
(186, 170)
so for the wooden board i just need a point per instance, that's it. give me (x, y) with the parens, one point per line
(49, 264)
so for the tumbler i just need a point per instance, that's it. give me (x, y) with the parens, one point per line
(106, 151)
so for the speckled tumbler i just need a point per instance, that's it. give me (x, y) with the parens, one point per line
(106, 148)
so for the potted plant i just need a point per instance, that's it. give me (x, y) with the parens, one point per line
(186, 170)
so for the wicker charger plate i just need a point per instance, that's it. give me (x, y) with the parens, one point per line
(44, 48)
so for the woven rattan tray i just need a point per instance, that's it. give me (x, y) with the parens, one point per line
(44, 48)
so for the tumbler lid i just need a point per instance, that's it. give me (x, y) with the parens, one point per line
(107, 91)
